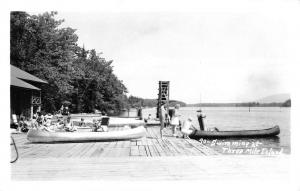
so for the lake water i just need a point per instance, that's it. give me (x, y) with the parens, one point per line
(239, 118)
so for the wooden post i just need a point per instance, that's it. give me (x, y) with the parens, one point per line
(40, 104)
(31, 111)
(31, 106)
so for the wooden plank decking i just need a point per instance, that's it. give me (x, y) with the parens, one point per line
(149, 146)
(149, 158)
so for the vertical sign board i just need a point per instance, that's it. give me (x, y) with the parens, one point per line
(35, 102)
(163, 95)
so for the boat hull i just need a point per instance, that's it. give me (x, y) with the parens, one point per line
(236, 134)
(46, 137)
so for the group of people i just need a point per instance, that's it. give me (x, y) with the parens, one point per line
(173, 119)
(42, 121)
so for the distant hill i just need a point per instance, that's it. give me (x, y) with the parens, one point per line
(277, 98)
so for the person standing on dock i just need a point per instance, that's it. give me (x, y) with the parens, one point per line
(162, 117)
(175, 120)
(200, 117)
(140, 113)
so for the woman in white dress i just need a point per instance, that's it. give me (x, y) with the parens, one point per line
(175, 120)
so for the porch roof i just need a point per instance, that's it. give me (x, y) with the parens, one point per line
(20, 74)
(20, 83)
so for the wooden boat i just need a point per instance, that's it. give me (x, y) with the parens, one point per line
(34, 135)
(233, 134)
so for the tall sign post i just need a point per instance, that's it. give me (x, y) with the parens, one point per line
(163, 96)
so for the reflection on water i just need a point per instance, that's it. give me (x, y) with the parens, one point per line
(239, 118)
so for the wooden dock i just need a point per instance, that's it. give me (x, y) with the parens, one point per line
(150, 146)
(150, 158)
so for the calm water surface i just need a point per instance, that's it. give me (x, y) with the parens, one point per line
(239, 118)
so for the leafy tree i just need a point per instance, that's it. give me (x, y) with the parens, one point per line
(41, 47)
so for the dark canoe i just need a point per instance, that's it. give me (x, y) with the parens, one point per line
(233, 134)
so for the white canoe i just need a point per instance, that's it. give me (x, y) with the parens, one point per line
(34, 135)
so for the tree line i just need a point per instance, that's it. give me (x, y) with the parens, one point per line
(134, 102)
(40, 46)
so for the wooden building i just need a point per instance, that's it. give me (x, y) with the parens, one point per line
(25, 92)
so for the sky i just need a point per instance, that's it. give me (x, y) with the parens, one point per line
(208, 56)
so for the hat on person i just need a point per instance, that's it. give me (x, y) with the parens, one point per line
(190, 119)
(199, 110)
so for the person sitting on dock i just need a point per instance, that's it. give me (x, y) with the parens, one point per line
(43, 127)
(68, 126)
(23, 125)
(33, 122)
(96, 125)
(47, 122)
(40, 123)
(188, 128)
(40, 118)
